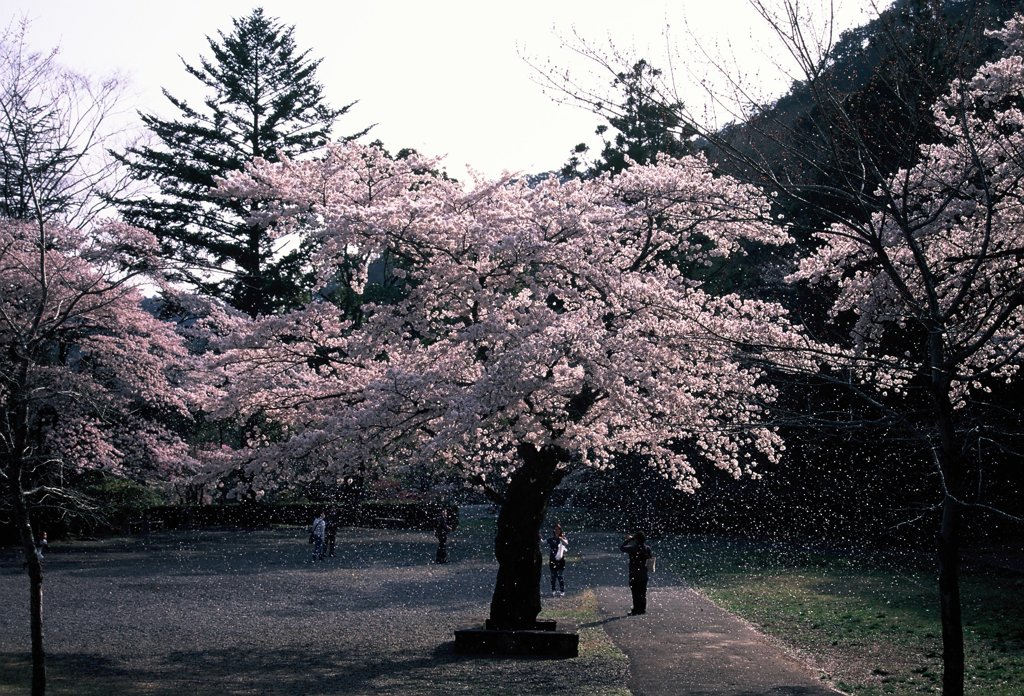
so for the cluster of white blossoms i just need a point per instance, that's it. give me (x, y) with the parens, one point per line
(94, 377)
(940, 262)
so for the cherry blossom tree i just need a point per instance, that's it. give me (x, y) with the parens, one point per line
(90, 381)
(921, 249)
(935, 279)
(532, 330)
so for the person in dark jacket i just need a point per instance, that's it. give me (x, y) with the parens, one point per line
(331, 528)
(42, 546)
(441, 529)
(638, 552)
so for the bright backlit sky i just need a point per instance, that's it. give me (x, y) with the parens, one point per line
(444, 76)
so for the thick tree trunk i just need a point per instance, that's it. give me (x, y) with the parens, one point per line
(949, 600)
(516, 600)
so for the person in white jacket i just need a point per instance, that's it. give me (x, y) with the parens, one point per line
(558, 546)
(319, 533)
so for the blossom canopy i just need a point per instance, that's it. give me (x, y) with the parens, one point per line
(548, 314)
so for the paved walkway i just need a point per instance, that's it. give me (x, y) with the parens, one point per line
(684, 645)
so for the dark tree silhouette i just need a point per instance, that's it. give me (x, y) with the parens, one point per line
(262, 99)
(640, 126)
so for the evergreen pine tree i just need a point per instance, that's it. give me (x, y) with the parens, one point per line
(262, 98)
(641, 124)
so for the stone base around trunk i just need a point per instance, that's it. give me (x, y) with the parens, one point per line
(538, 625)
(543, 640)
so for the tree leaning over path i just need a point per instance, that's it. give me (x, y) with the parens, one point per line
(537, 330)
(913, 186)
(262, 98)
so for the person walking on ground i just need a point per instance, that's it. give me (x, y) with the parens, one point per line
(331, 526)
(558, 546)
(441, 529)
(639, 553)
(319, 532)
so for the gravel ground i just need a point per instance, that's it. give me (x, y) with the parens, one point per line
(240, 612)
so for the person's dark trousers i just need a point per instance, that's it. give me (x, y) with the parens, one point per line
(638, 587)
(557, 577)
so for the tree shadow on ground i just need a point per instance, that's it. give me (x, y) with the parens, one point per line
(81, 674)
(600, 623)
(267, 671)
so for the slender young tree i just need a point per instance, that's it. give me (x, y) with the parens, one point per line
(538, 330)
(914, 184)
(262, 99)
(89, 380)
(936, 281)
(55, 126)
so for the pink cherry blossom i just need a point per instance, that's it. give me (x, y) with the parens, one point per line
(521, 304)
(92, 380)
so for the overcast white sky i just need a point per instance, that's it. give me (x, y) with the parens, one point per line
(444, 76)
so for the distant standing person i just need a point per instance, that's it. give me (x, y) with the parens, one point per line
(42, 545)
(319, 532)
(441, 529)
(639, 553)
(331, 525)
(558, 546)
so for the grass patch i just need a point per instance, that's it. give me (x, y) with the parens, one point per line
(869, 621)
(595, 645)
